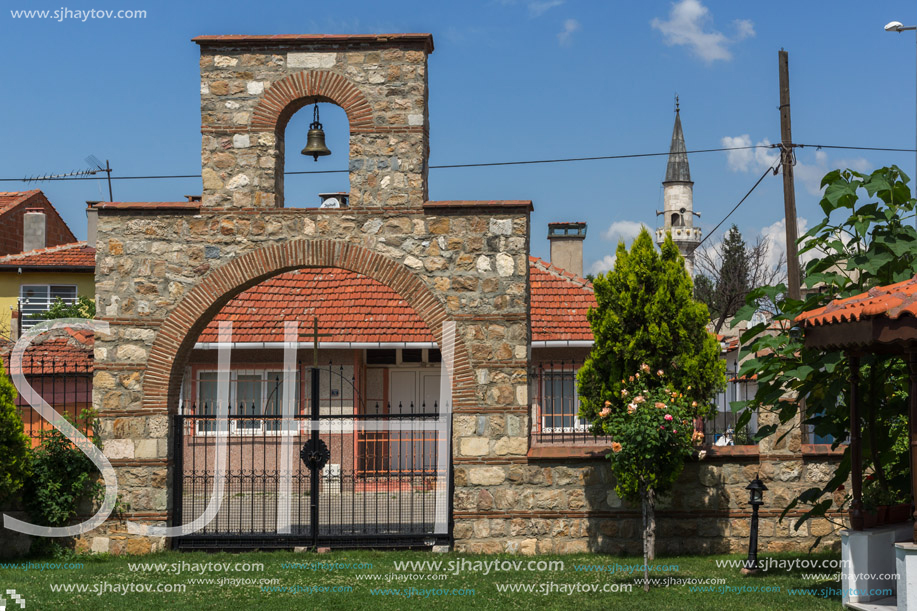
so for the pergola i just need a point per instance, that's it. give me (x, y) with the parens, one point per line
(882, 321)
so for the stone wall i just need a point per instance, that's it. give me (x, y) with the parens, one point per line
(569, 506)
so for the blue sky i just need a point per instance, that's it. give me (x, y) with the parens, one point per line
(509, 80)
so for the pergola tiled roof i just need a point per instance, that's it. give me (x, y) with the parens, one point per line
(880, 321)
(883, 319)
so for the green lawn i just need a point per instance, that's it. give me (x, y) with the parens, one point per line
(109, 575)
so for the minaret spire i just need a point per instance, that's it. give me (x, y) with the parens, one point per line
(677, 169)
(678, 195)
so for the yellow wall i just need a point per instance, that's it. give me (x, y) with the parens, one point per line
(11, 280)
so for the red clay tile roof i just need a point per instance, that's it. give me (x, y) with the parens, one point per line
(891, 301)
(75, 254)
(55, 355)
(560, 301)
(349, 306)
(354, 308)
(10, 199)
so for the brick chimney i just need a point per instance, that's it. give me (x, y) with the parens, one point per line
(33, 229)
(92, 222)
(567, 246)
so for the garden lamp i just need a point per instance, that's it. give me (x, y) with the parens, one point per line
(755, 498)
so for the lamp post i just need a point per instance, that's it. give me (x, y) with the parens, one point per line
(897, 26)
(756, 498)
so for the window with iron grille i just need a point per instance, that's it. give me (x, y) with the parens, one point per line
(36, 299)
(251, 394)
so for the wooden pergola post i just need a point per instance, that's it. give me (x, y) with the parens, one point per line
(856, 450)
(912, 422)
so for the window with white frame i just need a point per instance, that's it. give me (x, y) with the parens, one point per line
(560, 402)
(252, 395)
(36, 299)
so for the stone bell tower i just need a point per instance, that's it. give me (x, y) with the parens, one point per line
(678, 197)
(252, 85)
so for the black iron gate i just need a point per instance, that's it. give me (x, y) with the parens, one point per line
(361, 477)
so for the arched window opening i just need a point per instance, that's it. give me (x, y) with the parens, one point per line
(303, 190)
(676, 220)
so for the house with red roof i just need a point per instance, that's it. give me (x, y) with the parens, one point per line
(370, 335)
(41, 261)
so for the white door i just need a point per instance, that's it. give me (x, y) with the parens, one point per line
(413, 392)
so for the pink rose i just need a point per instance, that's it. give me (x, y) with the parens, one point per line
(605, 412)
(668, 417)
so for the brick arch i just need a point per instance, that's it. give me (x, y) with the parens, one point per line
(284, 97)
(182, 326)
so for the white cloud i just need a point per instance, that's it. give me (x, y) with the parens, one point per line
(619, 231)
(688, 25)
(776, 236)
(540, 7)
(603, 265)
(746, 159)
(759, 159)
(623, 231)
(810, 175)
(565, 36)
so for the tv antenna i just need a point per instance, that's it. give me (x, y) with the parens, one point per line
(94, 161)
(91, 160)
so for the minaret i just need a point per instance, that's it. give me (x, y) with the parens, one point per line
(678, 214)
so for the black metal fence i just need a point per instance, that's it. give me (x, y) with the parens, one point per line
(359, 476)
(65, 386)
(720, 429)
(555, 409)
(555, 406)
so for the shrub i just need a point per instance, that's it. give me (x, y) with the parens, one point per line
(14, 444)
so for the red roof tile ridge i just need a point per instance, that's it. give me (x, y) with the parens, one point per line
(560, 272)
(22, 194)
(42, 251)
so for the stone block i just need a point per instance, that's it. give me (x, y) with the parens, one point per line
(486, 476)
(474, 446)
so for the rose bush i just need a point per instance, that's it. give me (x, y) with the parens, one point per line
(652, 431)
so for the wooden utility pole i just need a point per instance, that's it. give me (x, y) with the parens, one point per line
(789, 188)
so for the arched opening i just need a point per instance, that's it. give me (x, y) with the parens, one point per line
(303, 190)
(676, 220)
(371, 404)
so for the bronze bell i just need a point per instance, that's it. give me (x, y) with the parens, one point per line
(315, 144)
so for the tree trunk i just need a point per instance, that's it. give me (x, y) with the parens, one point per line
(644, 502)
(648, 501)
(651, 523)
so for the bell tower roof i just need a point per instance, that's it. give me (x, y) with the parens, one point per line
(677, 169)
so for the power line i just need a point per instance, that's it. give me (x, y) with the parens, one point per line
(438, 167)
(854, 148)
(504, 163)
(773, 169)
